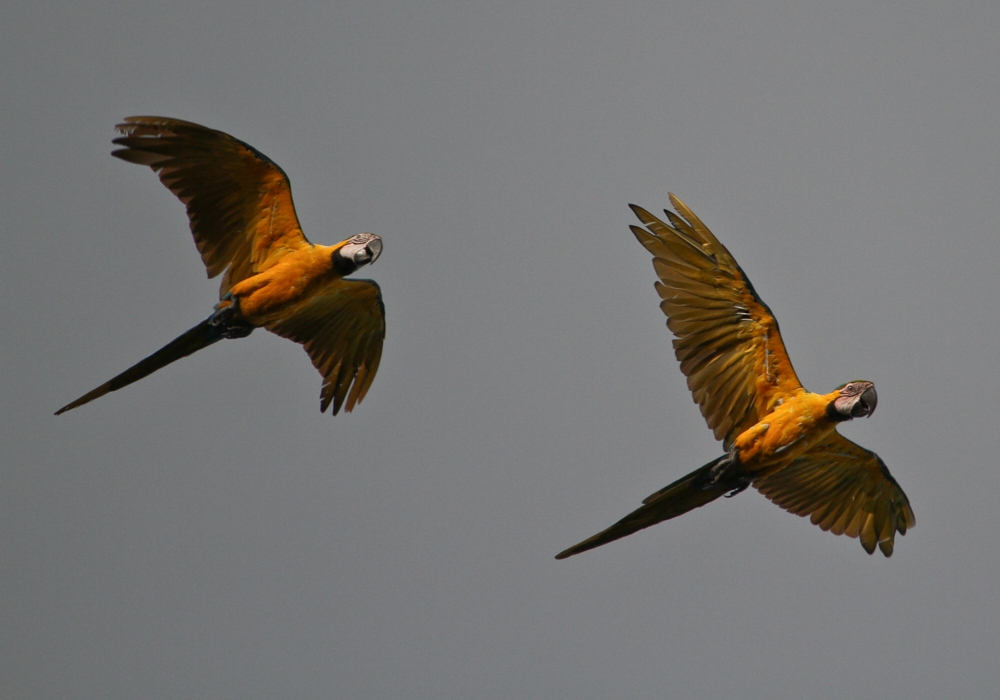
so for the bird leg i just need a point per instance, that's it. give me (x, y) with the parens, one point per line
(722, 467)
(228, 320)
(742, 486)
(725, 472)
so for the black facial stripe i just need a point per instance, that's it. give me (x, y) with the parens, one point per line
(344, 266)
(834, 415)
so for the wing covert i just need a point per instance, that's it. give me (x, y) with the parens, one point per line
(238, 200)
(727, 341)
(846, 490)
(341, 327)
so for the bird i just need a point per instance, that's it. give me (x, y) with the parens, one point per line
(239, 204)
(778, 437)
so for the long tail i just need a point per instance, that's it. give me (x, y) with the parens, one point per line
(201, 336)
(687, 493)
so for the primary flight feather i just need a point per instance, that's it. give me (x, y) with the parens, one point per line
(239, 204)
(779, 438)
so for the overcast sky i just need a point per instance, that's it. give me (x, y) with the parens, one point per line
(208, 533)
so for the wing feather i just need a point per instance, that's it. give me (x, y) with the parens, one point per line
(714, 312)
(844, 489)
(341, 327)
(238, 200)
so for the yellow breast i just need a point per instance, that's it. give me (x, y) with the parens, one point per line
(269, 295)
(785, 433)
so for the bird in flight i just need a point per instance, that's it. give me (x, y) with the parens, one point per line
(239, 203)
(778, 437)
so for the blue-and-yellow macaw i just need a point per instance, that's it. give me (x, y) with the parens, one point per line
(779, 438)
(239, 203)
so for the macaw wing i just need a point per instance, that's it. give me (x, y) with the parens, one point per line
(727, 341)
(238, 200)
(846, 490)
(342, 327)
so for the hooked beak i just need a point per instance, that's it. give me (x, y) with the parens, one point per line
(373, 250)
(866, 403)
(359, 251)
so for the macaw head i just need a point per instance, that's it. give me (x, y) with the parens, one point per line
(355, 252)
(856, 399)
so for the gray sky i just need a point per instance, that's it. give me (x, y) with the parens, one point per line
(208, 533)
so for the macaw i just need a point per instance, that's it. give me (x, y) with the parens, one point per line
(239, 203)
(778, 437)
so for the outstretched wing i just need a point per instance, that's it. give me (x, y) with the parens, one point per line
(238, 200)
(342, 327)
(846, 489)
(727, 341)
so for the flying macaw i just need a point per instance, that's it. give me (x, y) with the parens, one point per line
(239, 203)
(779, 438)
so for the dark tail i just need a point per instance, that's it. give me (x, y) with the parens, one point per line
(687, 493)
(201, 336)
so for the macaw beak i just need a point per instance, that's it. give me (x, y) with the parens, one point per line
(360, 250)
(866, 403)
(373, 249)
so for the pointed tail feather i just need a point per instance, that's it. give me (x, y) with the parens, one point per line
(685, 494)
(201, 336)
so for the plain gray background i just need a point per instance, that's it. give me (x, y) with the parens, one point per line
(208, 533)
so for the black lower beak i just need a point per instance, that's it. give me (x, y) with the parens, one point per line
(869, 399)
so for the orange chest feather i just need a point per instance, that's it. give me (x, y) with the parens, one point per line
(792, 428)
(292, 279)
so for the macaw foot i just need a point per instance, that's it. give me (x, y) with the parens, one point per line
(722, 468)
(228, 319)
(725, 472)
(744, 483)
